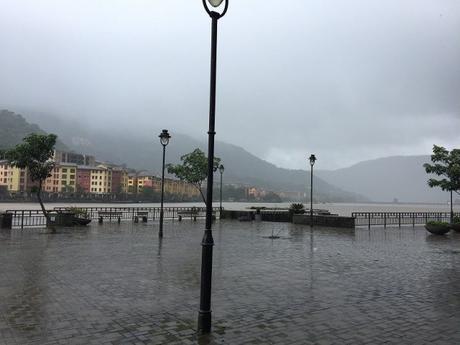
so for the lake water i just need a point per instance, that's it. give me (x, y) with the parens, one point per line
(343, 209)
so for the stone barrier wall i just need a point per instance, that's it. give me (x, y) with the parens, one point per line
(330, 221)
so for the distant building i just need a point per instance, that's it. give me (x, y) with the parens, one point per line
(63, 179)
(132, 183)
(292, 196)
(84, 179)
(101, 180)
(119, 181)
(61, 157)
(14, 179)
(256, 193)
(172, 186)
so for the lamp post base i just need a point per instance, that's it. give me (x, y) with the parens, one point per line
(204, 322)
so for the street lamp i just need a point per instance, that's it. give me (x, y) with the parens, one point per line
(204, 315)
(164, 140)
(312, 162)
(221, 170)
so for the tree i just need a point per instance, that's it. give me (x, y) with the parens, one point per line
(35, 154)
(194, 169)
(447, 166)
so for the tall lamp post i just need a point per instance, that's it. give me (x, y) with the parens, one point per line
(312, 162)
(164, 140)
(221, 170)
(204, 315)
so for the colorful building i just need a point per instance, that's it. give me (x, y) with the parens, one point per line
(119, 181)
(13, 178)
(84, 179)
(63, 179)
(101, 180)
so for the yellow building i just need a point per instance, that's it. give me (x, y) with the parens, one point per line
(178, 187)
(101, 180)
(132, 183)
(13, 178)
(62, 180)
(124, 180)
(144, 181)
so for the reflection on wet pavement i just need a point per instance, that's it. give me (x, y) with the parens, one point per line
(117, 284)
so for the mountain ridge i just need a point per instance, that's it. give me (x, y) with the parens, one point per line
(385, 179)
(143, 152)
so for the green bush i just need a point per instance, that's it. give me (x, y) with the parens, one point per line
(437, 223)
(79, 212)
(456, 220)
(297, 208)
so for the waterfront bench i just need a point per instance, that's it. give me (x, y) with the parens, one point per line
(110, 215)
(141, 214)
(193, 214)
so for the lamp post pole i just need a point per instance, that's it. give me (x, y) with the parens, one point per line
(312, 162)
(207, 243)
(221, 170)
(164, 140)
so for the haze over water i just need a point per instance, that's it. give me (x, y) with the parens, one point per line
(343, 209)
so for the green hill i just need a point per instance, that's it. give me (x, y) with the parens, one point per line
(140, 149)
(13, 128)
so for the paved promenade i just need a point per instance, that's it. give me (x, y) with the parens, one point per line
(117, 284)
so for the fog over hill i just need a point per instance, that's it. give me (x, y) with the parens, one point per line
(380, 180)
(142, 150)
(13, 128)
(386, 179)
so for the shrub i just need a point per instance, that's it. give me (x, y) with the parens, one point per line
(456, 220)
(297, 208)
(79, 212)
(437, 223)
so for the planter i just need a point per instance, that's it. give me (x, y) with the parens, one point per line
(6, 220)
(438, 229)
(69, 219)
(455, 227)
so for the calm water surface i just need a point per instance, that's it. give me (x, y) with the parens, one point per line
(344, 209)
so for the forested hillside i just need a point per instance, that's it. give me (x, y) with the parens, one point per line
(13, 127)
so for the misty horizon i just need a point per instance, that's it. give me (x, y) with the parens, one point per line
(348, 82)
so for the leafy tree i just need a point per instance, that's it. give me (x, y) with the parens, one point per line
(35, 154)
(194, 169)
(149, 193)
(446, 165)
(67, 189)
(79, 189)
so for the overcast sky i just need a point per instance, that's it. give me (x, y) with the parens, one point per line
(347, 80)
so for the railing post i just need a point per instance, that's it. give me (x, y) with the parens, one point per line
(384, 220)
(399, 219)
(369, 216)
(22, 219)
(413, 220)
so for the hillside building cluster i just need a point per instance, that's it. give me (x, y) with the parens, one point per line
(82, 174)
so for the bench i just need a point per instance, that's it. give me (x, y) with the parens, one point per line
(109, 214)
(193, 214)
(143, 214)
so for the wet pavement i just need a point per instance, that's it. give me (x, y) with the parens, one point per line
(117, 284)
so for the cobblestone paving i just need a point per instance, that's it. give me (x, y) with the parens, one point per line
(117, 284)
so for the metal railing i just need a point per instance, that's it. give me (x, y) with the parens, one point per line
(399, 218)
(34, 218)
